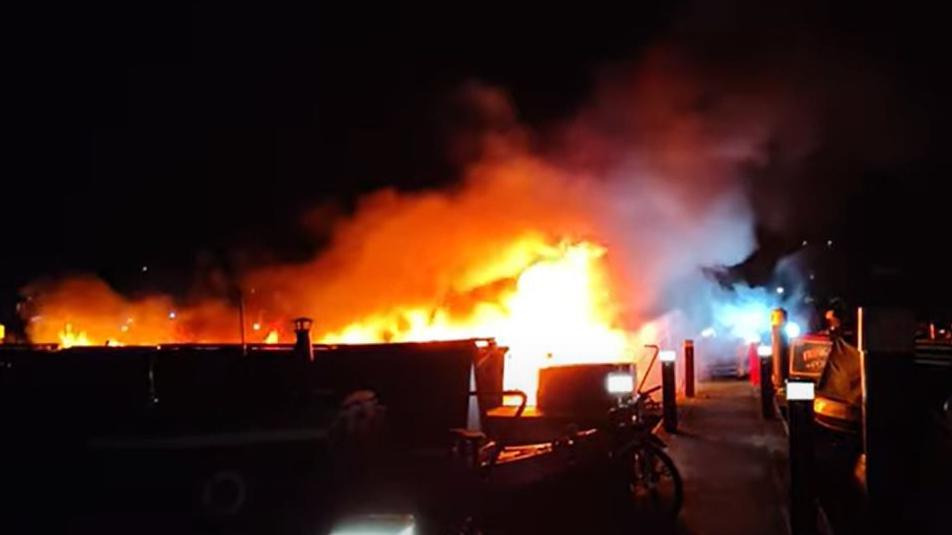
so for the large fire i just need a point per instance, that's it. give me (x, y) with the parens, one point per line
(559, 309)
(565, 248)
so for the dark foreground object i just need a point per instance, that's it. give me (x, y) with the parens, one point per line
(203, 439)
(197, 438)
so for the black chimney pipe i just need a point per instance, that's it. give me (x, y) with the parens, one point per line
(302, 343)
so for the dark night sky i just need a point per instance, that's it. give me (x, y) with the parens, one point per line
(174, 135)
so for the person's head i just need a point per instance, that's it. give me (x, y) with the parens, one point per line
(832, 319)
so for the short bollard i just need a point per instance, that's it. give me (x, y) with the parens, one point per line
(778, 340)
(803, 511)
(668, 394)
(765, 352)
(689, 368)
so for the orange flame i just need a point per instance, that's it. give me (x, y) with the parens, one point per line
(499, 254)
(70, 338)
(559, 311)
(559, 307)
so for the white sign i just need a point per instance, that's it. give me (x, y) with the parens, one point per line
(799, 390)
(620, 383)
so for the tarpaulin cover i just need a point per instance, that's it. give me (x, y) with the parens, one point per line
(841, 379)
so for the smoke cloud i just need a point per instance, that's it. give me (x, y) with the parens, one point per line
(653, 170)
(668, 167)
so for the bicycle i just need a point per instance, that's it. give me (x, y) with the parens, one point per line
(653, 480)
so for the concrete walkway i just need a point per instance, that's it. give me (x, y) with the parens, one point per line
(731, 461)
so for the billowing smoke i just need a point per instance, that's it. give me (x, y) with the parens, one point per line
(660, 189)
(654, 174)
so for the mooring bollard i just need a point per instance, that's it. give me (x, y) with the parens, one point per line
(668, 393)
(778, 340)
(803, 510)
(689, 368)
(764, 354)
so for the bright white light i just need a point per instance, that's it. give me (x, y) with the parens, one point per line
(792, 329)
(482, 343)
(172, 315)
(668, 355)
(780, 290)
(829, 243)
(753, 339)
(763, 350)
(145, 268)
(620, 383)
(256, 326)
(377, 525)
(799, 390)
(709, 333)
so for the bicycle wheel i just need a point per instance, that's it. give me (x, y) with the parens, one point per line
(654, 482)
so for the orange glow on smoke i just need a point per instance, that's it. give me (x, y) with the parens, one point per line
(561, 253)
